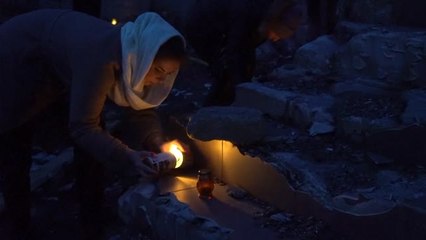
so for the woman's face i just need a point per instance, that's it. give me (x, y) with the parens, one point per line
(160, 70)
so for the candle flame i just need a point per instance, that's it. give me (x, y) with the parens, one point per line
(175, 148)
(114, 21)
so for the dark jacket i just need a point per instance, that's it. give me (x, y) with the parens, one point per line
(47, 53)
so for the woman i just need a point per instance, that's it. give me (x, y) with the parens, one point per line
(48, 53)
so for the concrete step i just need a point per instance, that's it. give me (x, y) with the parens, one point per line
(225, 210)
(173, 209)
(391, 207)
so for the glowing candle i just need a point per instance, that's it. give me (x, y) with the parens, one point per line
(175, 148)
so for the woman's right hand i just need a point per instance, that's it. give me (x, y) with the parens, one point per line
(141, 161)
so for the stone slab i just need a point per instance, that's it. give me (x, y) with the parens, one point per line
(236, 124)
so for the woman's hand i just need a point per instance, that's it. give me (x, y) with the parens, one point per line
(141, 160)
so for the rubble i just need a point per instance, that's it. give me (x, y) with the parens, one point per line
(345, 30)
(417, 203)
(317, 56)
(42, 158)
(301, 110)
(362, 207)
(288, 72)
(281, 217)
(49, 168)
(355, 127)
(305, 110)
(141, 206)
(405, 145)
(269, 101)
(236, 192)
(364, 86)
(415, 111)
(321, 128)
(378, 159)
(395, 57)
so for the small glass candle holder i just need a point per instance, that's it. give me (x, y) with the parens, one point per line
(205, 184)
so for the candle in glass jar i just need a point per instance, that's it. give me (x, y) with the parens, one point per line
(205, 184)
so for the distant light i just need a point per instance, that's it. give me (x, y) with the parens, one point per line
(114, 21)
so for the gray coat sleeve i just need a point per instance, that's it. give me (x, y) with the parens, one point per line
(141, 130)
(90, 85)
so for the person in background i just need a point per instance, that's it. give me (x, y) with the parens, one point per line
(225, 34)
(49, 55)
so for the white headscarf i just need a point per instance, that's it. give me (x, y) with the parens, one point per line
(140, 41)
